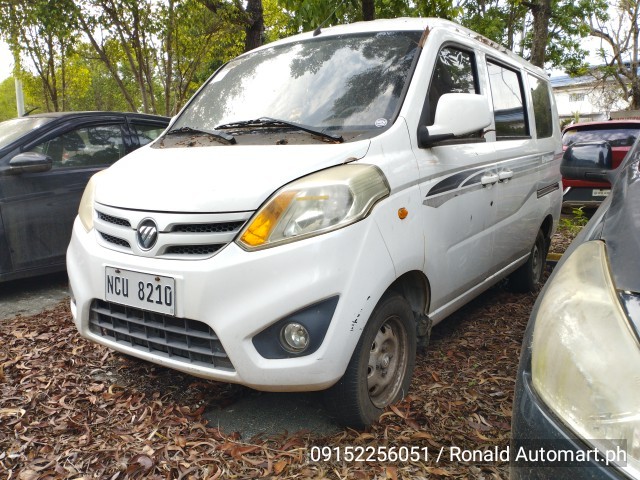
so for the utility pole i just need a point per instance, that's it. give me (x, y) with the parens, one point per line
(19, 97)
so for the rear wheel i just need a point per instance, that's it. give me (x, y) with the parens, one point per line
(529, 276)
(381, 366)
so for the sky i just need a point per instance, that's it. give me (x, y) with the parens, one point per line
(6, 61)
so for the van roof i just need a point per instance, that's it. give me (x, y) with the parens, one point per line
(407, 24)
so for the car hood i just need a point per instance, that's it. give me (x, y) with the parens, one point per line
(621, 229)
(213, 179)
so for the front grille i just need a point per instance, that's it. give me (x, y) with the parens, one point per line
(115, 240)
(222, 227)
(181, 236)
(189, 341)
(193, 249)
(114, 220)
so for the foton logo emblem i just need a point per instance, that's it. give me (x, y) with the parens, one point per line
(147, 234)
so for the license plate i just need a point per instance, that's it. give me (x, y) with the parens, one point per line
(140, 290)
(597, 192)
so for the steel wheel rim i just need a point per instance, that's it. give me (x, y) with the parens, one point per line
(388, 358)
(536, 263)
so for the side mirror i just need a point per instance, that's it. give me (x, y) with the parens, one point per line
(29, 162)
(456, 114)
(587, 161)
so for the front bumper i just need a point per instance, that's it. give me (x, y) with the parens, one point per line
(239, 294)
(584, 196)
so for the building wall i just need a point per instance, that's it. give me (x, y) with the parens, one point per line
(585, 100)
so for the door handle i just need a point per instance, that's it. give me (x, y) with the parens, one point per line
(489, 179)
(505, 175)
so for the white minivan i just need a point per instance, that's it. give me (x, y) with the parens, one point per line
(318, 205)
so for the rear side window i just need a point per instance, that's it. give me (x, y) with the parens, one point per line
(508, 106)
(541, 107)
(617, 136)
(454, 73)
(147, 133)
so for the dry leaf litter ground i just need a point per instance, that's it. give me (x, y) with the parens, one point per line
(73, 409)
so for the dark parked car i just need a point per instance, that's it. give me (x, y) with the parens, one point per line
(621, 134)
(578, 384)
(45, 163)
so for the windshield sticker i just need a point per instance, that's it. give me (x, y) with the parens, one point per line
(381, 122)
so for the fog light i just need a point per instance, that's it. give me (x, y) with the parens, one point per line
(295, 337)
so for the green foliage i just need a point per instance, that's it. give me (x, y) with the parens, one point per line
(278, 23)
(569, 24)
(438, 8)
(307, 15)
(574, 223)
(8, 108)
(153, 55)
(497, 20)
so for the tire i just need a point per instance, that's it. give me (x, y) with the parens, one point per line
(380, 369)
(528, 277)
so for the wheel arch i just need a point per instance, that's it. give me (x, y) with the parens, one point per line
(547, 227)
(415, 288)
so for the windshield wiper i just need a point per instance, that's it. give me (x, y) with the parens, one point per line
(275, 122)
(213, 133)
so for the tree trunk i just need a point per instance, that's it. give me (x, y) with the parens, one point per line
(368, 10)
(107, 62)
(541, 11)
(255, 25)
(635, 38)
(168, 70)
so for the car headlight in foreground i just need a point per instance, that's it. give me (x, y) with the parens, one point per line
(85, 210)
(585, 355)
(316, 204)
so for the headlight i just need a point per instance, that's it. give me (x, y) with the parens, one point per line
(315, 204)
(85, 211)
(586, 357)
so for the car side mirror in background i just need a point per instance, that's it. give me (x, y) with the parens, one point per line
(29, 162)
(587, 161)
(456, 114)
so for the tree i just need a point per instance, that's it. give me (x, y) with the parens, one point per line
(8, 107)
(133, 24)
(557, 28)
(309, 14)
(251, 18)
(500, 21)
(47, 36)
(622, 35)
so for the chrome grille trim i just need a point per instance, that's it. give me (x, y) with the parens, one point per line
(221, 227)
(115, 220)
(193, 249)
(183, 340)
(115, 240)
(182, 236)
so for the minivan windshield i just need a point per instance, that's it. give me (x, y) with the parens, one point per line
(332, 84)
(11, 130)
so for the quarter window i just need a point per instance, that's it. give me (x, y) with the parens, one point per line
(508, 107)
(541, 107)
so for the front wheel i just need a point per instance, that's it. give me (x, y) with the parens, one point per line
(380, 369)
(529, 276)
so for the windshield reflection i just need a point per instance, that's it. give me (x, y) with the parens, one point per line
(334, 83)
